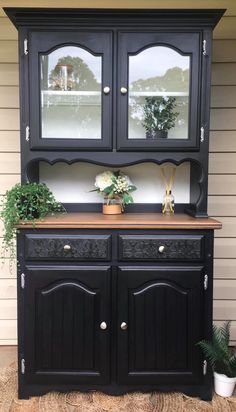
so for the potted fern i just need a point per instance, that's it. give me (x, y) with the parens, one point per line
(159, 116)
(25, 202)
(222, 359)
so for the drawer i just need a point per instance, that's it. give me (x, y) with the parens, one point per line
(160, 247)
(67, 247)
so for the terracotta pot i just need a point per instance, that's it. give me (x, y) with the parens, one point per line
(111, 209)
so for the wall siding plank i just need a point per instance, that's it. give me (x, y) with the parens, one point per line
(224, 289)
(225, 248)
(219, 206)
(223, 51)
(223, 96)
(9, 119)
(9, 141)
(7, 30)
(8, 309)
(225, 29)
(8, 51)
(222, 163)
(222, 185)
(8, 329)
(228, 227)
(9, 97)
(7, 289)
(224, 309)
(6, 272)
(223, 119)
(224, 269)
(223, 74)
(7, 181)
(10, 163)
(9, 74)
(223, 141)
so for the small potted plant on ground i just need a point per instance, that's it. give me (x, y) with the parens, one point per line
(25, 202)
(222, 359)
(115, 188)
(159, 116)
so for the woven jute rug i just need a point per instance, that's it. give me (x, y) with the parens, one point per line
(98, 402)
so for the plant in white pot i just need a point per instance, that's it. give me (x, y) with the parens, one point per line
(159, 116)
(222, 359)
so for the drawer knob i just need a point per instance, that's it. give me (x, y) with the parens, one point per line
(67, 248)
(161, 249)
(103, 325)
(123, 326)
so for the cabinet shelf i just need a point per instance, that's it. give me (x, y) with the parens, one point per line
(153, 94)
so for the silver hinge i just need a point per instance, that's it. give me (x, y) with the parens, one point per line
(26, 50)
(22, 366)
(27, 133)
(202, 132)
(22, 280)
(204, 48)
(204, 367)
(205, 282)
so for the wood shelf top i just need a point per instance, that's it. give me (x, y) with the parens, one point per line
(123, 221)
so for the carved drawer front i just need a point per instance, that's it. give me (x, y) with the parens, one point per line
(157, 247)
(67, 247)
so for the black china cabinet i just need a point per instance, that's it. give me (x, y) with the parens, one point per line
(115, 305)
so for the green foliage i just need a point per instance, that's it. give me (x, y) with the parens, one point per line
(26, 202)
(221, 357)
(84, 78)
(159, 114)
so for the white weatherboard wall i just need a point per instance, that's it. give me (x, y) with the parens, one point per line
(222, 172)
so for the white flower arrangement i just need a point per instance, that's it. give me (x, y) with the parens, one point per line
(115, 187)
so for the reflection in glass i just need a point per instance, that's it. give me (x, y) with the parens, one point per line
(159, 73)
(71, 94)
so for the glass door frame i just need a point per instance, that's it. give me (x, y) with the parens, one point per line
(97, 43)
(131, 43)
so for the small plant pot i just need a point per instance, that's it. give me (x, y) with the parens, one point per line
(160, 134)
(224, 386)
(111, 209)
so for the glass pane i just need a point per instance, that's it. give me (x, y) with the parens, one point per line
(71, 81)
(158, 94)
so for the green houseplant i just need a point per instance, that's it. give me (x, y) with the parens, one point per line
(25, 202)
(159, 116)
(221, 358)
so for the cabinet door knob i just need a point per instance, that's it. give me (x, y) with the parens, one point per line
(67, 248)
(161, 249)
(123, 326)
(123, 90)
(106, 90)
(103, 325)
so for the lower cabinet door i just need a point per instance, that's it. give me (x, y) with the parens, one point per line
(160, 320)
(64, 339)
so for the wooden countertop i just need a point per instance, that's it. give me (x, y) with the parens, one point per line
(123, 221)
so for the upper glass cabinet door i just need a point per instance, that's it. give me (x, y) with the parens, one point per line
(74, 94)
(158, 91)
